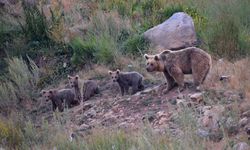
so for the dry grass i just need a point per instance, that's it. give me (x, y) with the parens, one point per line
(238, 72)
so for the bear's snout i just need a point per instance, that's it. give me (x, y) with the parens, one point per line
(149, 69)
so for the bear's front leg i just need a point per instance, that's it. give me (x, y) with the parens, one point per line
(122, 90)
(126, 89)
(170, 81)
(54, 106)
(178, 76)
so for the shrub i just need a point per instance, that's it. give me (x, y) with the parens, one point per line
(100, 49)
(23, 75)
(225, 33)
(35, 27)
(56, 28)
(10, 135)
(224, 40)
(102, 41)
(20, 83)
(137, 44)
(82, 51)
(169, 11)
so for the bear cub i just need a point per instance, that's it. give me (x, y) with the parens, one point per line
(126, 80)
(58, 97)
(84, 89)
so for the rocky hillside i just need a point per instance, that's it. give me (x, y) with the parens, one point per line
(41, 42)
(215, 115)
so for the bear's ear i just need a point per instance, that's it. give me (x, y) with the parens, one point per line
(77, 77)
(146, 56)
(118, 71)
(50, 91)
(110, 72)
(43, 92)
(156, 58)
(69, 77)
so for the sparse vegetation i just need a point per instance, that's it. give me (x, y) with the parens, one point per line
(44, 42)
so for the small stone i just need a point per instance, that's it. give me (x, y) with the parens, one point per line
(216, 136)
(202, 133)
(243, 122)
(247, 129)
(173, 101)
(180, 102)
(246, 113)
(196, 97)
(231, 126)
(241, 146)
(90, 113)
(225, 78)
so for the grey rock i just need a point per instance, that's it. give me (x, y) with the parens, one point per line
(214, 136)
(241, 146)
(203, 133)
(243, 122)
(246, 113)
(196, 97)
(177, 32)
(231, 126)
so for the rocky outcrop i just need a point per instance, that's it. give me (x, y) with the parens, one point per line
(175, 33)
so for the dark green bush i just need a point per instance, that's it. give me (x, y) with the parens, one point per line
(167, 12)
(135, 45)
(35, 27)
(96, 49)
(82, 51)
(225, 39)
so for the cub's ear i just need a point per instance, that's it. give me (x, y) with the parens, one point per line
(118, 71)
(43, 92)
(156, 58)
(69, 77)
(146, 56)
(50, 91)
(77, 77)
(110, 72)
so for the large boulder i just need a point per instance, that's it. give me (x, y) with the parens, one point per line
(175, 33)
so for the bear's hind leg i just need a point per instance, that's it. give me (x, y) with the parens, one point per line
(199, 73)
(134, 88)
(140, 85)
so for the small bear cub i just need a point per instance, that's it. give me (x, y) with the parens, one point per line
(84, 89)
(58, 97)
(126, 80)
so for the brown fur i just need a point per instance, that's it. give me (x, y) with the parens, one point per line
(174, 64)
(84, 89)
(58, 97)
(126, 80)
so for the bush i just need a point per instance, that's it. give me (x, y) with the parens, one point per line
(35, 27)
(10, 135)
(20, 83)
(225, 32)
(102, 41)
(169, 11)
(82, 51)
(224, 40)
(56, 30)
(137, 44)
(99, 49)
